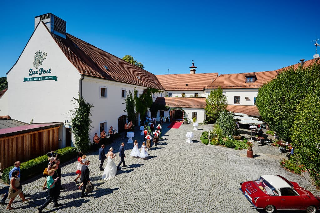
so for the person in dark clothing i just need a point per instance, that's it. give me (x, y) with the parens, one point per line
(122, 156)
(102, 156)
(52, 193)
(85, 177)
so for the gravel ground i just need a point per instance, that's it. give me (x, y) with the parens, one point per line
(178, 177)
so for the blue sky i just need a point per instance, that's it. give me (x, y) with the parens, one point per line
(220, 36)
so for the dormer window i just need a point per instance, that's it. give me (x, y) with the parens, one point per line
(250, 79)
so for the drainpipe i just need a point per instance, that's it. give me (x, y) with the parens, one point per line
(80, 85)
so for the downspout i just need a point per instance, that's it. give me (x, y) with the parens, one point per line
(80, 85)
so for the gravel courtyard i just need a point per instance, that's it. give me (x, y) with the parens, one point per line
(178, 177)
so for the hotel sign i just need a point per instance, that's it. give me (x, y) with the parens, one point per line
(39, 74)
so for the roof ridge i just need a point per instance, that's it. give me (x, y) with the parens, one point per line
(108, 53)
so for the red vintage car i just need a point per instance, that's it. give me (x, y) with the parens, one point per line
(274, 192)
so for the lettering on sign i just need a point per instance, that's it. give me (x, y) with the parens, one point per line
(39, 57)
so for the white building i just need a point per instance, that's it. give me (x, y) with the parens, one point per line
(56, 67)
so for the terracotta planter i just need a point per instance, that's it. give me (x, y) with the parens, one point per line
(249, 153)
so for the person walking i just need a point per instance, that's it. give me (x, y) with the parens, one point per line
(15, 189)
(122, 156)
(52, 193)
(15, 168)
(85, 173)
(102, 156)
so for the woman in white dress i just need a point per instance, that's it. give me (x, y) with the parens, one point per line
(143, 151)
(135, 151)
(111, 169)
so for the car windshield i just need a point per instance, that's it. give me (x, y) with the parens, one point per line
(266, 187)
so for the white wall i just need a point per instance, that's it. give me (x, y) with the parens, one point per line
(107, 109)
(4, 104)
(47, 100)
(187, 93)
(246, 96)
(200, 114)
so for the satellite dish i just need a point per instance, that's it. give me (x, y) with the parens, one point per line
(316, 56)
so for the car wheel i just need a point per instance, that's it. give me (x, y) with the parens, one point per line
(270, 209)
(311, 209)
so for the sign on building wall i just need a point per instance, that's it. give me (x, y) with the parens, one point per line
(39, 74)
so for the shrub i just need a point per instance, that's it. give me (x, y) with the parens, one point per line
(293, 164)
(230, 143)
(227, 123)
(36, 166)
(270, 132)
(239, 145)
(204, 138)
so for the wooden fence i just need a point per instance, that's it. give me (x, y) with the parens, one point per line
(26, 146)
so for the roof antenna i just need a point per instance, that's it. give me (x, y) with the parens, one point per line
(168, 71)
(316, 44)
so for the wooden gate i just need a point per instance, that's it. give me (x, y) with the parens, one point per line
(26, 146)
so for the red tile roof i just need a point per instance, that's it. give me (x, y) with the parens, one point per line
(182, 102)
(238, 80)
(249, 110)
(194, 82)
(295, 66)
(94, 62)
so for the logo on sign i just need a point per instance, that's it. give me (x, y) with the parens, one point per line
(39, 58)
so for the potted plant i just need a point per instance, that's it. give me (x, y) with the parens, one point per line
(249, 150)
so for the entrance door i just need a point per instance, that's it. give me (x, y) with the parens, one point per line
(178, 115)
(121, 121)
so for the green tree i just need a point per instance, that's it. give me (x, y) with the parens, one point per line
(277, 100)
(227, 123)
(144, 101)
(131, 60)
(216, 102)
(306, 135)
(81, 124)
(130, 105)
(3, 83)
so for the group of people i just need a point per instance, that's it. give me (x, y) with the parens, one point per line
(110, 169)
(53, 171)
(97, 141)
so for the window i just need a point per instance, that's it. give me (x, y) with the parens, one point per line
(247, 98)
(250, 79)
(196, 95)
(183, 95)
(236, 99)
(103, 126)
(287, 192)
(194, 115)
(123, 93)
(254, 100)
(170, 94)
(103, 92)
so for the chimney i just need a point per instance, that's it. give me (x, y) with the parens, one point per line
(55, 24)
(301, 62)
(193, 68)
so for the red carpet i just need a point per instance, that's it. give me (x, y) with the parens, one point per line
(175, 124)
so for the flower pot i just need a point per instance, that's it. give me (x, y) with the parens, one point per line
(249, 153)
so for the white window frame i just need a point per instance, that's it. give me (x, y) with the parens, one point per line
(106, 92)
(125, 93)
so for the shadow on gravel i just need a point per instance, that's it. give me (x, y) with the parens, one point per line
(74, 203)
(135, 165)
(124, 171)
(255, 156)
(69, 174)
(102, 192)
(150, 157)
(195, 141)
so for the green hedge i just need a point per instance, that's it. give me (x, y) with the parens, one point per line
(37, 165)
